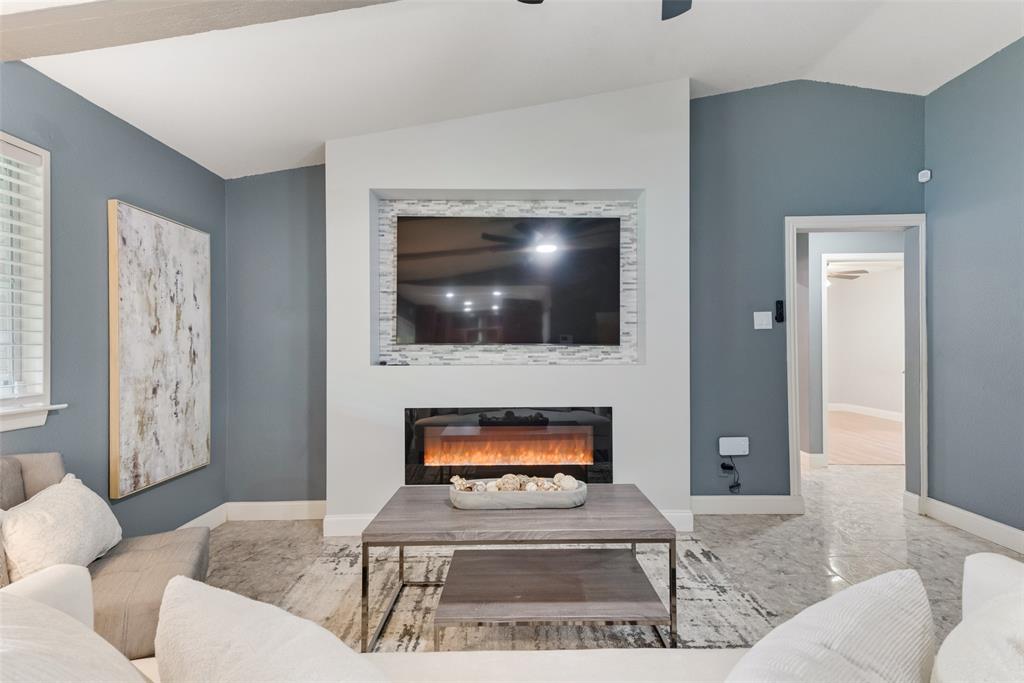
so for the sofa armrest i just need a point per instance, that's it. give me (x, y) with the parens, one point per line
(66, 587)
(988, 575)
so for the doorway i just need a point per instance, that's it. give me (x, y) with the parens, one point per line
(908, 232)
(862, 355)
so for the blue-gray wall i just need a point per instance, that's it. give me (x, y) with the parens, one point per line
(94, 157)
(276, 284)
(757, 156)
(974, 134)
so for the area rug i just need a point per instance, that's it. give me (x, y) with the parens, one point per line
(713, 611)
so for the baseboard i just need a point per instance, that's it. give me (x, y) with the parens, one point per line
(815, 460)
(212, 518)
(989, 529)
(276, 509)
(747, 505)
(346, 525)
(682, 520)
(911, 502)
(894, 415)
(259, 510)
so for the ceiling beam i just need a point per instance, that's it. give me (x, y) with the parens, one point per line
(107, 23)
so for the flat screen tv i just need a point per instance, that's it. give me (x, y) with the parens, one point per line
(483, 280)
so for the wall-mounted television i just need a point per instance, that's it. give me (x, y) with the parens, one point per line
(488, 280)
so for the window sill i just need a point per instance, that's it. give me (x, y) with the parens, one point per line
(22, 417)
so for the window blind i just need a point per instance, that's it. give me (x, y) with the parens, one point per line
(22, 272)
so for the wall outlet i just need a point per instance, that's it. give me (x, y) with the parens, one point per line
(733, 445)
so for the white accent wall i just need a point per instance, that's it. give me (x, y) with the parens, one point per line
(865, 343)
(622, 144)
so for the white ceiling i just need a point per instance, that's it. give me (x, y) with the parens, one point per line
(265, 97)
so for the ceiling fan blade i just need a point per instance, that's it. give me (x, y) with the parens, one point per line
(504, 239)
(673, 8)
(841, 276)
(851, 272)
(426, 255)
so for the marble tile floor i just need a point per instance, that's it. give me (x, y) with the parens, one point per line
(739, 575)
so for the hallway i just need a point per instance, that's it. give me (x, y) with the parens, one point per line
(856, 439)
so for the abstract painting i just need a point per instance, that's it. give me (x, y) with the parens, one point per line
(159, 348)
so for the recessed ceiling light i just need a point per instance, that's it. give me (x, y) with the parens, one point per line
(496, 293)
(546, 248)
(468, 303)
(450, 295)
(495, 307)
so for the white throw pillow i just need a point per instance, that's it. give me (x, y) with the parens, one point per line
(65, 523)
(986, 646)
(878, 630)
(40, 643)
(209, 634)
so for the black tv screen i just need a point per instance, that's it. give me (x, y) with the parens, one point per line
(482, 280)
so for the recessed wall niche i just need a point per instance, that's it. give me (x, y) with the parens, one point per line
(621, 205)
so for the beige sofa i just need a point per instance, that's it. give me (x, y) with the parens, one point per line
(984, 647)
(981, 647)
(128, 582)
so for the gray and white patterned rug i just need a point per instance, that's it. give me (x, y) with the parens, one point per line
(738, 575)
(713, 611)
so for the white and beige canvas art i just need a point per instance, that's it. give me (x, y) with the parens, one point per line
(159, 348)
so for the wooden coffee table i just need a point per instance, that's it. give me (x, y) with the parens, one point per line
(598, 588)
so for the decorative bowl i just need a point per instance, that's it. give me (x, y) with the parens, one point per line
(516, 500)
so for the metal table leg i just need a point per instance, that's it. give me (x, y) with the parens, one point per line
(368, 639)
(674, 626)
(366, 599)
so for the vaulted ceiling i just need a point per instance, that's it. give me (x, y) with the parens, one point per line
(265, 97)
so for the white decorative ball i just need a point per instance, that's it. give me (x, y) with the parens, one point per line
(568, 483)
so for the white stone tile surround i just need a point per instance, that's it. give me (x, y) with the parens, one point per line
(627, 352)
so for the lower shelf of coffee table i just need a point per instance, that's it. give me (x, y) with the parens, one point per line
(547, 586)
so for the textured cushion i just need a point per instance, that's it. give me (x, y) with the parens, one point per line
(66, 523)
(988, 575)
(40, 643)
(209, 634)
(39, 470)
(12, 488)
(878, 630)
(988, 645)
(128, 584)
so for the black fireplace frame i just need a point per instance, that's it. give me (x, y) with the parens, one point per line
(600, 472)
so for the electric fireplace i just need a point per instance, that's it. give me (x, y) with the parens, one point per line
(480, 443)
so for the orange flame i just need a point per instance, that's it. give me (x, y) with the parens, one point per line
(472, 445)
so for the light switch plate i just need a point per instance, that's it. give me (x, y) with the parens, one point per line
(762, 320)
(733, 445)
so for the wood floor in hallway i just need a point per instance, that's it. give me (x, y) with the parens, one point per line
(855, 439)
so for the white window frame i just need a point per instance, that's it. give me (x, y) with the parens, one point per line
(19, 413)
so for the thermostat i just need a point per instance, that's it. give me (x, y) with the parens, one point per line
(733, 445)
